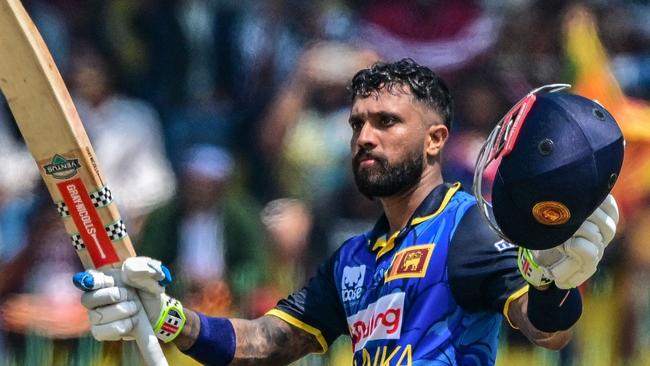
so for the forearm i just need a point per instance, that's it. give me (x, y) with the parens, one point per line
(260, 341)
(282, 115)
(270, 341)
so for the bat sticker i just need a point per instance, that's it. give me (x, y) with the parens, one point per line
(116, 231)
(86, 219)
(101, 198)
(62, 168)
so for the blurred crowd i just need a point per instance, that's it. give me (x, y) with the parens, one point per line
(221, 127)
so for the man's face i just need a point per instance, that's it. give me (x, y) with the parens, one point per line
(90, 78)
(388, 142)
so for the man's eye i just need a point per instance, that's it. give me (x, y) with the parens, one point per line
(388, 120)
(356, 124)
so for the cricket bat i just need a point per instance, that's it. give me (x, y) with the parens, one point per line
(55, 136)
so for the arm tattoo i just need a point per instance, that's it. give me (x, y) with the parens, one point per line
(267, 340)
(518, 315)
(270, 341)
(190, 331)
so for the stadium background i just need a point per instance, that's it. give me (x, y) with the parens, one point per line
(224, 123)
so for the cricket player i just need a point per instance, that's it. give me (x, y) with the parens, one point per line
(429, 285)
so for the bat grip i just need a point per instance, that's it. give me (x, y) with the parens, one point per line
(143, 332)
(147, 341)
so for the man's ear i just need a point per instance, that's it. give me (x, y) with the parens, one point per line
(437, 135)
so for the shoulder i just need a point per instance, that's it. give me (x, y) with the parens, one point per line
(473, 232)
(473, 239)
(352, 248)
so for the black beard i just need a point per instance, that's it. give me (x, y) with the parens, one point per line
(386, 180)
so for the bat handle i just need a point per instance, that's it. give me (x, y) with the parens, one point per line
(147, 342)
(143, 332)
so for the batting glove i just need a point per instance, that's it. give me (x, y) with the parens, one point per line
(573, 262)
(112, 302)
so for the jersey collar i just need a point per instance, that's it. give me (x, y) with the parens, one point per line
(433, 205)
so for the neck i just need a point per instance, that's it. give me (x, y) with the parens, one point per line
(400, 208)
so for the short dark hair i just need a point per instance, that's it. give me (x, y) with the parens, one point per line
(425, 85)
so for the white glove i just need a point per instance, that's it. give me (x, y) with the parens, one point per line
(573, 262)
(112, 307)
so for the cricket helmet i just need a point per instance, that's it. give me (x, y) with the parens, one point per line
(556, 156)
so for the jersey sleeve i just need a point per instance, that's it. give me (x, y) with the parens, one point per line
(316, 308)
(482, 268)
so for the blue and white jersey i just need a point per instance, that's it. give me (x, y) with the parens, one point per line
(430, 294)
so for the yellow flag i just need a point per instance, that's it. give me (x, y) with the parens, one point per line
(594, 79)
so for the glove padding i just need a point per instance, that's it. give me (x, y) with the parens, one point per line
(573, 262)
(112, 308)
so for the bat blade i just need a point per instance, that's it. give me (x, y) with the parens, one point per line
(55, 136)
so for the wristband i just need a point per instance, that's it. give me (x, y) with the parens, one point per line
(554, 309)
(171, 320)
(216, 342)
(530, 270)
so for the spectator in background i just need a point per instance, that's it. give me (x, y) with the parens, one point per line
(270, 38)
(126, 136)
(304, 136)
(146, 42)
(288, 224)
(21, 179)
(15, 208)
(16, 186)
(17, 226)
(481, 106)
(525, 59)
(209, 229)
(179, 55)
(271, 35)
(305, 133)
(34, 284)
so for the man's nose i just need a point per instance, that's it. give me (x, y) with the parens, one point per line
(367, 137)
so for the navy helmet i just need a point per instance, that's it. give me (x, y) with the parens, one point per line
(557, 156)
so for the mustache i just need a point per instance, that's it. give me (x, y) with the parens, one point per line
(365, 154)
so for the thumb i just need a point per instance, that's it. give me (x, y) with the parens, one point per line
(145, 274)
